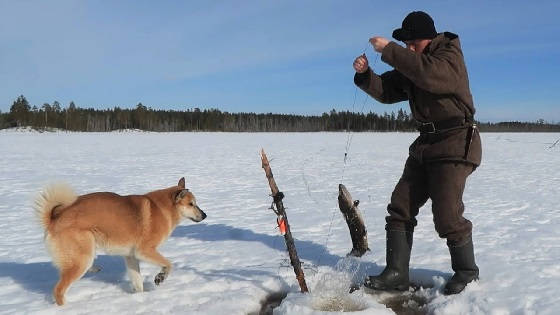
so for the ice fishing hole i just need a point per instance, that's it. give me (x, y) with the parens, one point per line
(403, 304)
(339, 303)
(270, 302)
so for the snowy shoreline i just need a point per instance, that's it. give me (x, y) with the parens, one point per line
(49, 130)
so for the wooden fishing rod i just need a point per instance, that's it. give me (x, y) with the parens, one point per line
(283, 222)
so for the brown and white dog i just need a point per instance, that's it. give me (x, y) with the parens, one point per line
(129, 226)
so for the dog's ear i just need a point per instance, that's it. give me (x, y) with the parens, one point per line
(181, 183)
(180, 195)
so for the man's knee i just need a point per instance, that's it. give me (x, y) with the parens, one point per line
(454, 231)
(399, 219)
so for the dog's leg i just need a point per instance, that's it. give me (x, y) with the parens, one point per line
(74, 257)
(152, 256)
(133, 269)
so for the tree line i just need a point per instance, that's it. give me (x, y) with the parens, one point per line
(75, 118)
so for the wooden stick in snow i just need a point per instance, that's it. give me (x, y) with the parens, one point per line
(353, 218)
(277, 196)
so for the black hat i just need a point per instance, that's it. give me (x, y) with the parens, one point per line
(416, 25)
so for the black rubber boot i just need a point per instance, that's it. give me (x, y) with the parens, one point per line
(395, 274)
(462, 262)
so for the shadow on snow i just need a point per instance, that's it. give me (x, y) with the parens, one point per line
(307, 250)
(40, 277)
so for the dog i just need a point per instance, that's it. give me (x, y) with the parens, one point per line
(129, 226)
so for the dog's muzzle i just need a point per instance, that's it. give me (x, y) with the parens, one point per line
(202, 213)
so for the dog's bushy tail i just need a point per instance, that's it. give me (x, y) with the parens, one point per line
(54, 195)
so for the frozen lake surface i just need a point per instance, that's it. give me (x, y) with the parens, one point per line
(234, 259)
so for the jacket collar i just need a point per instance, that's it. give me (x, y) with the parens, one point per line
(442, 39)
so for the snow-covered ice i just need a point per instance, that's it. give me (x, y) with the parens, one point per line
(234, 259)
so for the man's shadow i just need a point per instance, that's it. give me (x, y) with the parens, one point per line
(307, 250)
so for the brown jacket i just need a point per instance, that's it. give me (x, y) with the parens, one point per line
(436, 86)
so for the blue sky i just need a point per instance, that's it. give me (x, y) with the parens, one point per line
(265, 56)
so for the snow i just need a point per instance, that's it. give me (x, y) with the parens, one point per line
(234, 259)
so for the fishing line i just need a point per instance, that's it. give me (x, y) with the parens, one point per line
(347, 148)
(351, 134)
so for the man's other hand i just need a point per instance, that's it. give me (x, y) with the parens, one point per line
(361, 64)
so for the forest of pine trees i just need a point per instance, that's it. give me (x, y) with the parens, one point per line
(74, 118)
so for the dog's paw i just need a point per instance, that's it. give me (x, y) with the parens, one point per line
(160, 277)
(94, 269)
(137, 289)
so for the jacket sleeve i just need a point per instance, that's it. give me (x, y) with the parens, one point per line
(437, 73)
(387, 88)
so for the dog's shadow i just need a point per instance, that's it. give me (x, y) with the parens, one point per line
(113, 271)
(41, 277)
(37, 277)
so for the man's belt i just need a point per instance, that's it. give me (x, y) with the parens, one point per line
(444, 125)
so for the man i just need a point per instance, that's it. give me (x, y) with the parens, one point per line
(430, 73)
